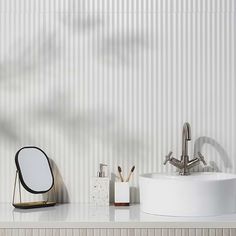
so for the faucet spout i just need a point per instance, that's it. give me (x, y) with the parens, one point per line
(186, 136)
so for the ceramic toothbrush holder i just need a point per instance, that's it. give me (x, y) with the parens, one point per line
(122, 194)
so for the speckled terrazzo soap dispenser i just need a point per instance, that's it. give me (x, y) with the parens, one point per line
(99, 188)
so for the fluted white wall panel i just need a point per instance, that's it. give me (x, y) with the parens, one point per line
(121, 232)
(113, 82)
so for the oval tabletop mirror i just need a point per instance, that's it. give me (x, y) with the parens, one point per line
(35, 174)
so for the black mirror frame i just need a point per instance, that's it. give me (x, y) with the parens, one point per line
(20, 174)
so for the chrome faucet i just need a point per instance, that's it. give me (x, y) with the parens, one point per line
(184, 164)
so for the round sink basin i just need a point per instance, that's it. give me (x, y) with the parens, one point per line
(199, 194)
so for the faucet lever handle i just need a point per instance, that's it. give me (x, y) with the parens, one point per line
(168, 157)
(201, 158)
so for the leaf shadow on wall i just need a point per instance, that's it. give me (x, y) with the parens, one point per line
(59, 192)
(82, 128)
(212, 165)
(80, 24)
(123, 48)
(93, 124)
(8, 131)
(29, 60)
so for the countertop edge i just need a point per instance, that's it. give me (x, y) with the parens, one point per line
(118, 225)
(69, 216)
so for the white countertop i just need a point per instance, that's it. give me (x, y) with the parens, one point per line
(87, 216)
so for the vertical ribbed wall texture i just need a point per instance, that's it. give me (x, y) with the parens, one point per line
(113, 81)
(121, 232)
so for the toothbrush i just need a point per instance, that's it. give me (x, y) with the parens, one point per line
(130, 173)
(121, 177)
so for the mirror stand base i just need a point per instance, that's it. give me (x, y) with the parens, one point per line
(30, 205)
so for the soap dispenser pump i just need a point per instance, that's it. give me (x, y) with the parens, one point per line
(101, 172)
(100, 187)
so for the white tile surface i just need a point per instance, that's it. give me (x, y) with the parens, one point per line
(87, 216)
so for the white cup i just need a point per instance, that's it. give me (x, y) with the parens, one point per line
(122, 195)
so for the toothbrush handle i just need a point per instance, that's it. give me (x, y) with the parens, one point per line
(121, 177)
(128, 178)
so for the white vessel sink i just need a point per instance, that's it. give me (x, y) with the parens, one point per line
(199, 194)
